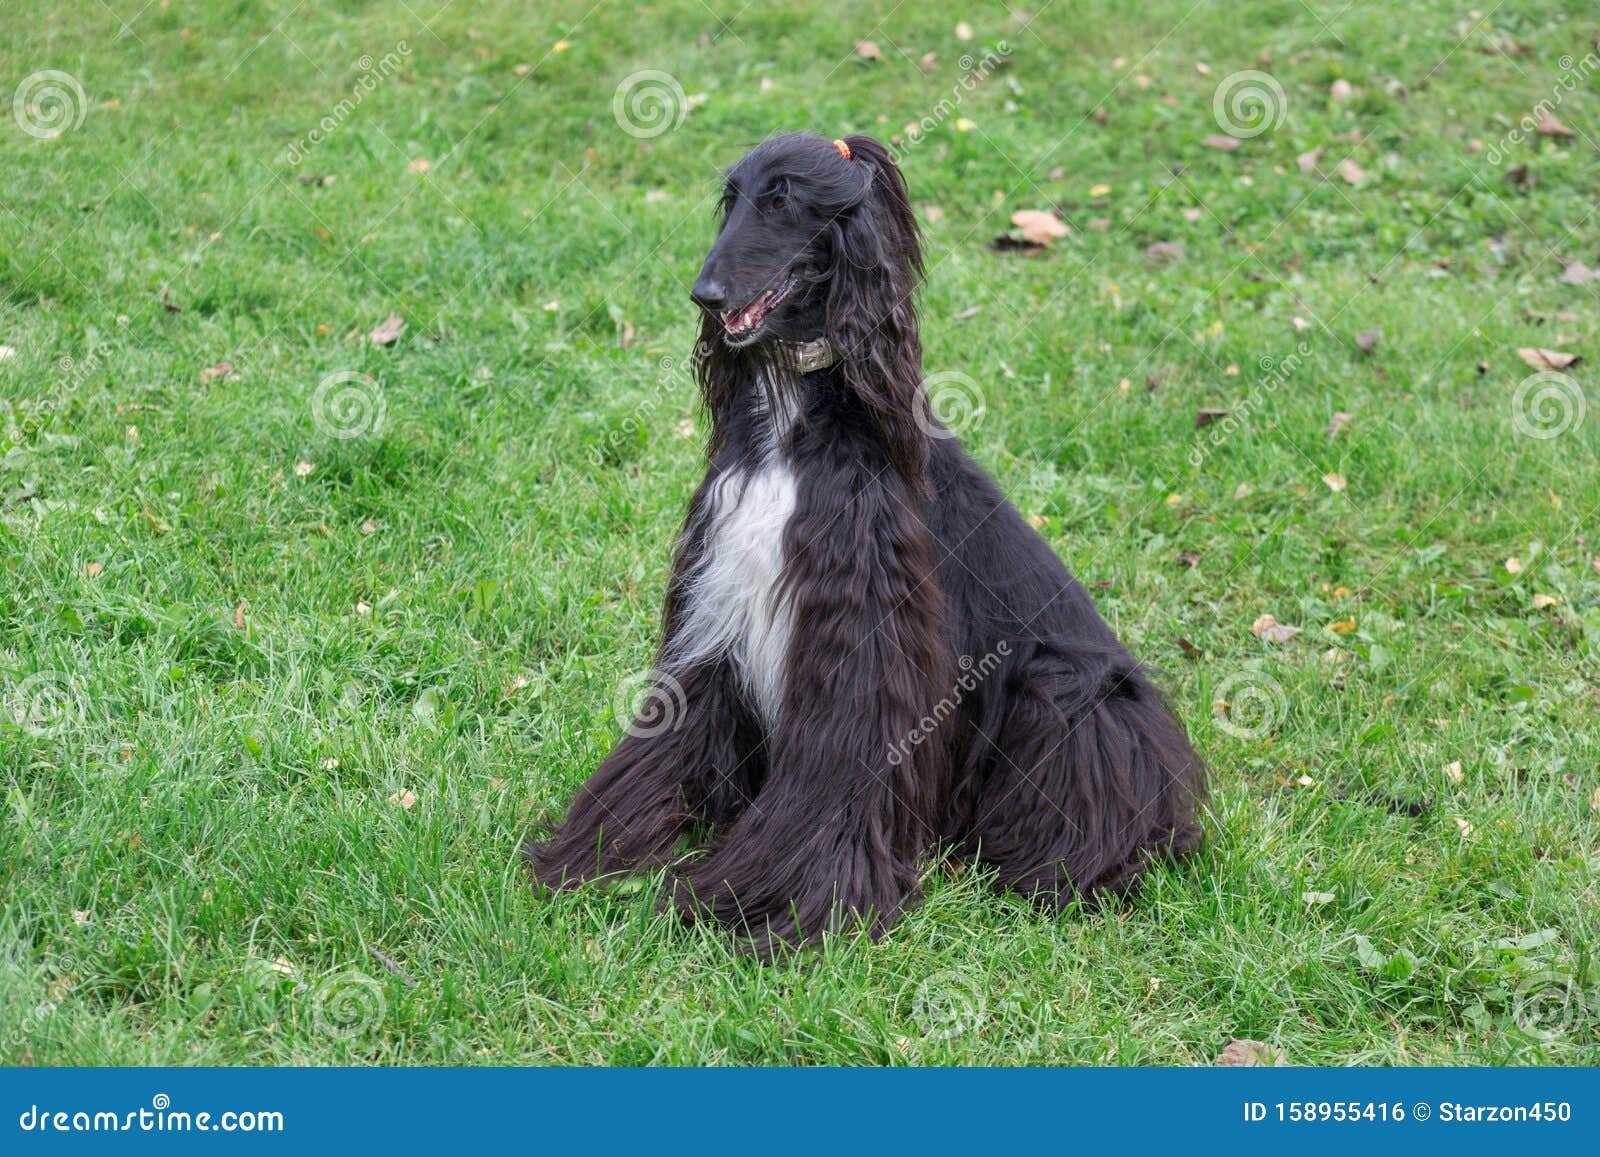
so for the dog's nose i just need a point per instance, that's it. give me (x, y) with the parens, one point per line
(709, 293)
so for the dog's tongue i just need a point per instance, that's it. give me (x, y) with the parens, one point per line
(746, 319)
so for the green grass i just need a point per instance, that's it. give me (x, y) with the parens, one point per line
(199, 859)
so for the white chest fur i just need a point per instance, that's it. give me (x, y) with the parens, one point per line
(732, 605)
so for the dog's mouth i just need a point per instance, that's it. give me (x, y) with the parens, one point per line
(743, 323)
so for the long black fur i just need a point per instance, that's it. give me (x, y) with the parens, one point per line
(1061, 767)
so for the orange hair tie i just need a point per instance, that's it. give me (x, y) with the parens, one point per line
(844, 149)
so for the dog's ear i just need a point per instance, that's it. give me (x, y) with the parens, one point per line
(872, 317)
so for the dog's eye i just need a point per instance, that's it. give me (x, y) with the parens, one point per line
(777, 197)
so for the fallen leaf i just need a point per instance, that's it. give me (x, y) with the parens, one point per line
(1341, 89)
(1038, 225)
(1549, 126)
(1540, 602)
(1189, 558)
(1163, 252)
(1300, 324)
(1453, 772)
(1577, 273)
(1316, 899)
(1338, 423)
(1367, 340)
(238, 617)
(868, 50)
(965, 124)
(370, 526)
(7, 352)
(1514, 565)
(625, 339)
(560, 46)
(420, 166)
(1307, 161)
(1206, 415)
(404, 798)
(217, 372)
(93, 569)
(1267, 627)
(303, 469)
(167, 303)
(1099, 224)
(1250, 1054)
(969, 313)
(1351, 172)
(388, 331)
(1543, 359)
(1099, 190)
(1225, 144)
(1342, 626)
(929, 61)
(282, 966)
(1594, 800)
(964, 31)
(1305, 781)
(80, 917)
(1192, 215)
(1334, 481)
(1466, 828)
(1190, 651)
(363, 608)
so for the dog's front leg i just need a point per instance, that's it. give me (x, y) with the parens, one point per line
(836, 830)
(694, 755)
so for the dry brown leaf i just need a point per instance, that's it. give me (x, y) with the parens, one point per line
(1351, 172)
(388, 331)
(1454, 773)
(1334, 481)
(1577, 273)
(1250, 1054)
(964, 31)
(216, 372)
(1099, 224)
(929, 61)
(1341, 89)
(1206, 415)
(1268, 628)
(1549, 126)
(1543, 359)
(1226, 144)
(303, 469)
(1164, 252)
(625, 339)
(1594, 800)
(1343, 626)
(420, 166)
(1367, 340)
(1514, 565)
(1192, 215)
(1338, 423)
(868, 50)
(1038, 225)
(93, 569)
(404, 798)
(1307, 161)
(1540, 602)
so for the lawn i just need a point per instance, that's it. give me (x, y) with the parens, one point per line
(304, 621)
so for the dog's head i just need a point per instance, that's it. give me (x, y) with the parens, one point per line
(817, 238)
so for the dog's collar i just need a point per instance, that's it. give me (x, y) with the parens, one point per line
(808, 356)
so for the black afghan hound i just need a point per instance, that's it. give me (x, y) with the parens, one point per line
(867, 651)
